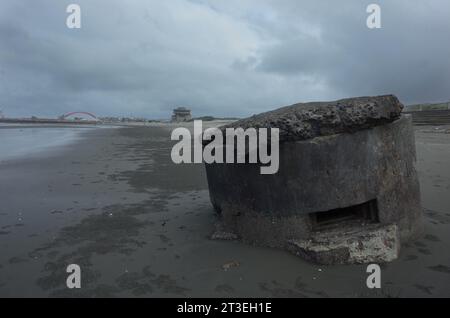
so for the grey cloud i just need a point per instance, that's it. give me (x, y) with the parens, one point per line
(224, 58)
(406, 57)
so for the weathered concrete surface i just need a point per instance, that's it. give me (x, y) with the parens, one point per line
(308, 120)
(323, 173)
(367, 244)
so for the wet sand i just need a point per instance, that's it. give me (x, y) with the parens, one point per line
(138, 225)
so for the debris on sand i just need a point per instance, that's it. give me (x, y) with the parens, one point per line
(230, 265)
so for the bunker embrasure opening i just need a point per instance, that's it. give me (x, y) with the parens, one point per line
(365, 213)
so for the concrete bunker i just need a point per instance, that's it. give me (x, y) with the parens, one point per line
(346, 190)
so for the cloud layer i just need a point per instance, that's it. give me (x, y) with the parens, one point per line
(223, 58)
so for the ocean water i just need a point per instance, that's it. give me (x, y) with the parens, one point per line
(20, 141)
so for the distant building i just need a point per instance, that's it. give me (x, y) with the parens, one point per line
(427, 107)
(181, 114)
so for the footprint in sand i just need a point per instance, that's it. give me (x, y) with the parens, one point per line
(432, 238)
(425, 289)
(411, 258)
(440, 268)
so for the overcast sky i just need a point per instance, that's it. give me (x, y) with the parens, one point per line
(218, 57)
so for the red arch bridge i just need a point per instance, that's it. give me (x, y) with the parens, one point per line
(65, 116)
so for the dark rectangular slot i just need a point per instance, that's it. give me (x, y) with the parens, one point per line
(362, 213)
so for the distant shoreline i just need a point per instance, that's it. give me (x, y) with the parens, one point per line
(46, 121)
(24, 141)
